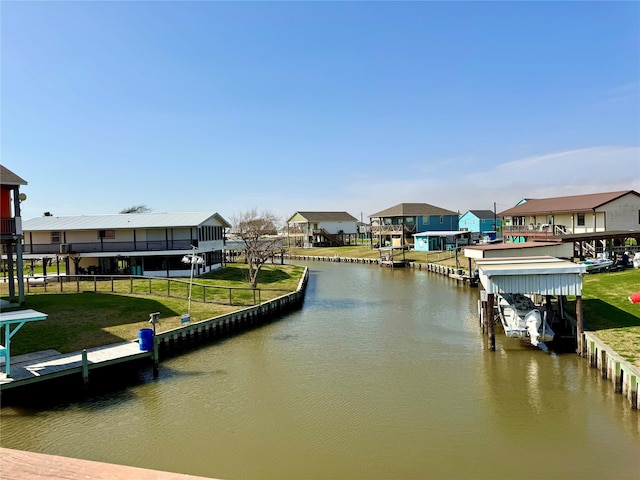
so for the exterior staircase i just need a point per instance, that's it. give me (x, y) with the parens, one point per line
(332, 239)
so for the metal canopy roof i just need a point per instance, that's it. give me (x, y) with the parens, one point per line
(122, 221)
(544, 275)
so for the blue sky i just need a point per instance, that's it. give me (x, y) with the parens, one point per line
(317, 106)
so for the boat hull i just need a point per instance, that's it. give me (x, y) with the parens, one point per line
(522, 319)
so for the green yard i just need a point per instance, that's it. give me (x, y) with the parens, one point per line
(89, 318)
(609, 313)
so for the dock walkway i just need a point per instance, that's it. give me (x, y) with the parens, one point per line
(33, 367)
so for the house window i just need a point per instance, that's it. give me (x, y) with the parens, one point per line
(581, 219)
(56, 237)
(106, 234)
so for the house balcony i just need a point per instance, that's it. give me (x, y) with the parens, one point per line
(393, 229)
(543, 231)
(8, 228)
(114, 247)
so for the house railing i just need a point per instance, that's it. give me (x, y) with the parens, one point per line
(7, 226)
(390, 229)
(537, 230)
(94, 247)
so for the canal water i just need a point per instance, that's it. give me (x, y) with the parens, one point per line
(383, 374)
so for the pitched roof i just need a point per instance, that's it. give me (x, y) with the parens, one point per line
(482, 214)
(7, 177)
(325, 217)
(412, 209)
(573, 203)
(121, 221)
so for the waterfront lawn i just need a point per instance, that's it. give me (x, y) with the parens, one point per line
(91, 319)
(609, 313)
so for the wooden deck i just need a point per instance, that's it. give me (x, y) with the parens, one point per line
(20, 465)
(49, 364)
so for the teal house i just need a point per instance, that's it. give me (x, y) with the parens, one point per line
(440, 240)
(396, 226)
(480, 221)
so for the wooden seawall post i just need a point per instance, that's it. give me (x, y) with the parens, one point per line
(624, 375)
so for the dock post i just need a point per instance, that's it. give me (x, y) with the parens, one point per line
(491, 324)
(154, 357)
(579, 326)
(85, 368)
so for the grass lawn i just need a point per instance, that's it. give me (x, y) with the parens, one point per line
(609, 313)
(89, 319)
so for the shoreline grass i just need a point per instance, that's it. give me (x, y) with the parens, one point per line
(89, 319)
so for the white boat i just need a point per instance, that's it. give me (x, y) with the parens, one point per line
(597, 264)
(522, 319)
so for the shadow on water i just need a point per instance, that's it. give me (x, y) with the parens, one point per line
(107, 386)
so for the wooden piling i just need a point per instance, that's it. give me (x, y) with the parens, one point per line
(491, 324)
(85, 368)
(579, 327)
(155, 357)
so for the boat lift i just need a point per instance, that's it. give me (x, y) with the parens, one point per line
(542, 275)
(11, 322)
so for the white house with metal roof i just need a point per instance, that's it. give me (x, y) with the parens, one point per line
(150, 244)
(322, 229)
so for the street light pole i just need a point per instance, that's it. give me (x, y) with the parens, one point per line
(193, 261)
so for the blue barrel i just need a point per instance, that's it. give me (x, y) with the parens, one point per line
(145, 337)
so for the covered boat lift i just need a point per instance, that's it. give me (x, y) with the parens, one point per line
(542, 275)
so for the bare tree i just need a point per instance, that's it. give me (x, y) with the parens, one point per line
(259, 233)
(136, 209)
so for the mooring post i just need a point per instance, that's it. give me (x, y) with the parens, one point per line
(579, 326)
(85, 368)
(483, 307)
(154, 357)
(491, 324)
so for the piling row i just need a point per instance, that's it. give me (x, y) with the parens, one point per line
(335, 258)
(624, 376)
(457, 274)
